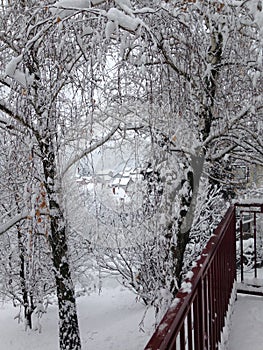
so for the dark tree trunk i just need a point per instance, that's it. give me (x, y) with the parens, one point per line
(188, 201)
(190, 188)
(69, 336)
(183, 234)
(28, 300)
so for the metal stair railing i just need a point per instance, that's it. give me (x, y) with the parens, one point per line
(197, 316)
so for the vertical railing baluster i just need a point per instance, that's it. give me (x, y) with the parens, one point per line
(255, 243)
(182, 337)
(190, 330)
(241, 249)
(211, 307)
(196, 324)
(205, 312)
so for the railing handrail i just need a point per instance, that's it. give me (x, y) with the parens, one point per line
(175, 317)
(247, 204)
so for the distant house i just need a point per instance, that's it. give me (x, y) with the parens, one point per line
(119, 183)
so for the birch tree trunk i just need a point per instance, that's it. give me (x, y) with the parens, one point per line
(194, 169)
(188, 206)
(69, 336)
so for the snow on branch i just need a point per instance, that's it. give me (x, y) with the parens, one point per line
(220, 132)
(123, 18)
(23, 78)
(6, 226)
(170, 61)
(4, 82)
(90, 149)
(16, 117)
(124, 21)
(5, 125)
(77, 4)
(255, 8)
(219, 155)
(65, 8)
(117, 18)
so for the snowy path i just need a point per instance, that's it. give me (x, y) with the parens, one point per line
(247, 323)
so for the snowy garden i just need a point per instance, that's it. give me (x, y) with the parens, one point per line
(128, 128)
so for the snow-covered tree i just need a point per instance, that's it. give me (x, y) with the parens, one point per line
(25, 257)
(47, 85)
(186, 75)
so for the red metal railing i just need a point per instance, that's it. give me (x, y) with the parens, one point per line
(196, 318)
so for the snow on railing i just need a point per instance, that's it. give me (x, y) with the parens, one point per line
(197, 317)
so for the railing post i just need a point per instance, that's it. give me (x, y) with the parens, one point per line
(205, 313)
(211, 302)
(255, 243)
(241, 249)
(190, 329)
(198, 319)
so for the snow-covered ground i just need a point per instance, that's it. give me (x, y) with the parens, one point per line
(247, 323)
(112, 319)
(107, 321)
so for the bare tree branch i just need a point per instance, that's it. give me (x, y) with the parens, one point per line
(6, 226)
(90, 149)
